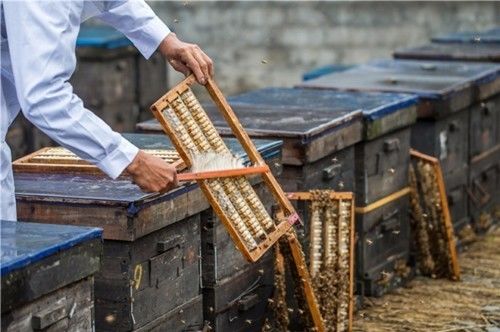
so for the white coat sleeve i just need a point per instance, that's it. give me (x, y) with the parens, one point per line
(42, 37)
(136, 20)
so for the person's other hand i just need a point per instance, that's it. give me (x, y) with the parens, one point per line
(187, 58)
(152, 174)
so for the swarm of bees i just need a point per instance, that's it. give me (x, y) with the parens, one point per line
(431, 239)
(330, 266)
(330, 257)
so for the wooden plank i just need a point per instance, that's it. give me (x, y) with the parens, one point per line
(50, 274)
(351, 266)
(42, 162)
(301, 267)
(307, 196)
(223, 173)
(446, 211)
(383, 201)
(447, 222)
(247, 144)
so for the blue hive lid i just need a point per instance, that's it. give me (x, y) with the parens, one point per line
(101, 37)
(27, 243)
(489, 36)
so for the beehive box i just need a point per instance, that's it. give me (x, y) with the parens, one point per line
(382, 163)
(187, 317)
(113, 79)
(239, 302)
(476, 37)
(381, 168)
(47, 276)
(383, 247)
(481, 52)
(235, 291)
(152, 242)
(318, 135)
(484, 121)
(447, 90)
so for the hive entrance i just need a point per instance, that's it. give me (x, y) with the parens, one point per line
(237, 205)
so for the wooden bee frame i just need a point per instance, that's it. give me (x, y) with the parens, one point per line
(61, 160)
(339, 198)
(186, 123)
(442, 202)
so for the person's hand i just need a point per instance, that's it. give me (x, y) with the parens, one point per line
(152, 174)
(187, 58)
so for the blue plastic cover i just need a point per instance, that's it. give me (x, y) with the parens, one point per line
(489, 36)
(101, 37)
(27, 243)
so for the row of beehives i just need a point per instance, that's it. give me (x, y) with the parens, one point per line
(348, 141)
(340, 133)
(168, 264)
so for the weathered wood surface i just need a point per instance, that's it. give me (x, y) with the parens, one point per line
(383, 241)
(446, 139)
(188, 317)
(239, 303)
(484, 126)
(24, 285)
(70, 308)
(444, 87)
(39, 259)
(484, 189)
(487, 52)
(474, 37)
(388, 123)
(142, 280)
(118, 206)
(382, 166)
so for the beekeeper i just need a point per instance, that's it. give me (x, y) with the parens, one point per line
(38, 41)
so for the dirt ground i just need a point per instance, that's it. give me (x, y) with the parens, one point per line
(469, 305)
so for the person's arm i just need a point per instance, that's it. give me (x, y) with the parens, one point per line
(42, 37)
(139, 23)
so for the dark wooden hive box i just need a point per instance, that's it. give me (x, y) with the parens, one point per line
(475, 37)
(484, 122)
(383, 242)
(47, 276)
(447, 92)
(131, 82)
(239, 302)
(480, 52)
(152, 242)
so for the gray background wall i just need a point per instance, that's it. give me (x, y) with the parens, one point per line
(262, 43)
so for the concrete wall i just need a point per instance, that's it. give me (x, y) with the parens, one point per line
(261, 43)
